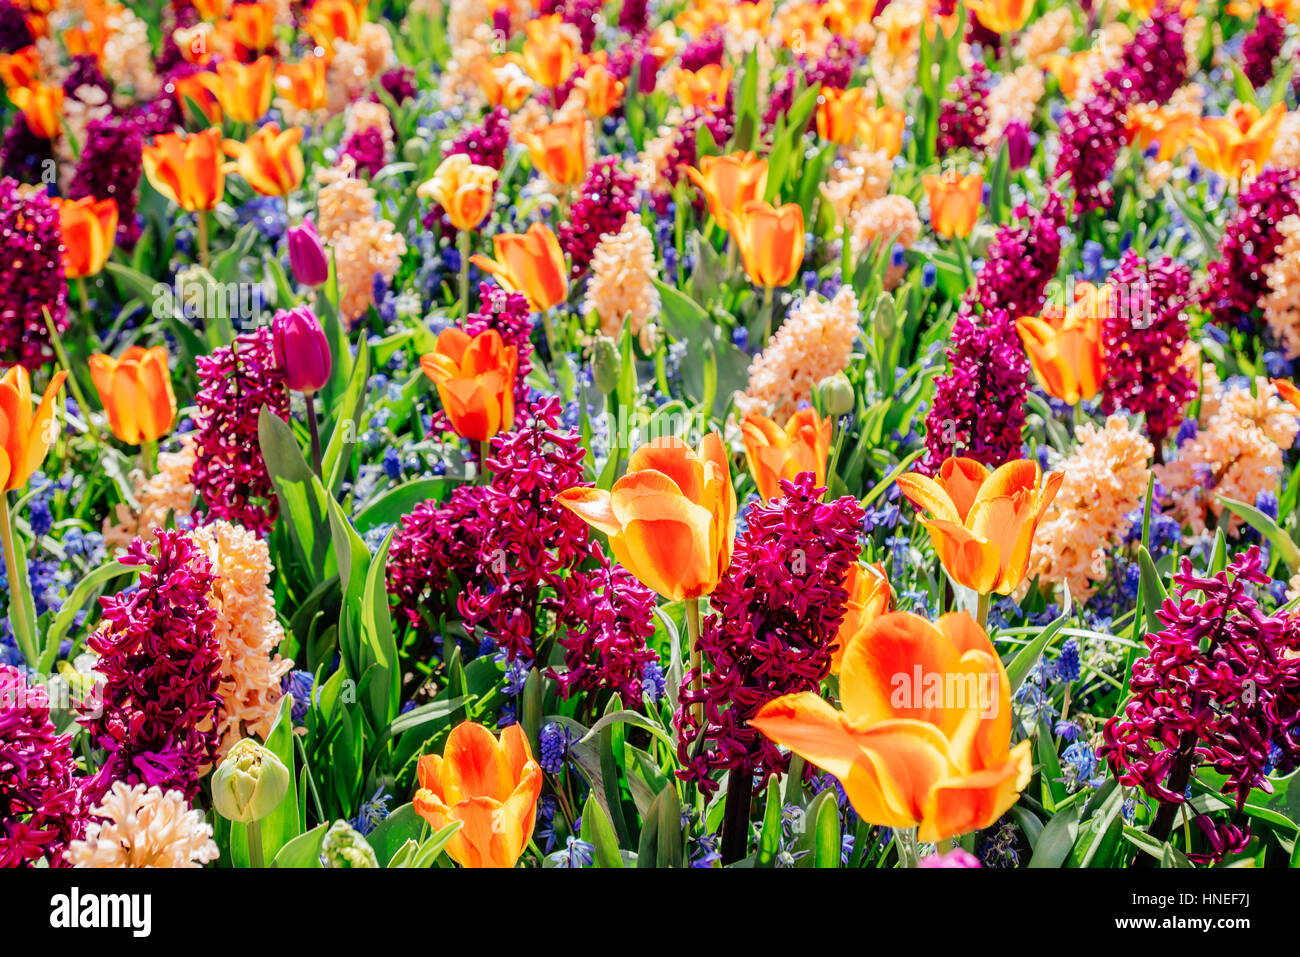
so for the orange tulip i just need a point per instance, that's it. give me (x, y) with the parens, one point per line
(881, 128)
(476, 381)
(702, 89)
(602, 90)
(1238, 143)
(728, 182)
(187, 169)
(559, 149)
(924, 736)
(490, 786)
(954, 202)
(504, 81)
(775, 453)
(1065, 346)
(551, 50)
(42, 106)
(671, 519)
(200, 89)
(531, 263)
(270, 160)
(136, 392)
(302, 83)
(1069, 69)
(20, 68)
(1288, 392)
(463, 188)
(244, 89)
(88, 228)
(210, 9)
(25, 438)
(330, 21)
(982, 525)
(253, 26)
(1168, 127)
(770, 240)
(841, 114)
(869, 597)
(1001, 16)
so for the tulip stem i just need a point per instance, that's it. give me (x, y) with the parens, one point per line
(697, 656)
(769, 311)
(203, 238)
(982, 611)
(17, 609)
(905, 841)
(463, 240)
(62, 354)
(313, 427)
(483, 448)
(255, 844)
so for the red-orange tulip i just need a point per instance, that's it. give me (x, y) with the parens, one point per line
(770, 239)
(776, 453)
(89, 229)
(551, 50)
(490, 786)
(25, 438)
(253, 26)
(20, 68)
(1238, 143)
(559, 149)
(531, 263)
(869, 597)
(303, 83)
(982, 525)
(841, 114)
(924, 736)
(728, 182)
(271, 160)
(602, 90)
(703, 89)
(476, 381)
(187, 169)
(199, 90)
(330, 21)
(1288, 392)
(136, 392)
(1065, 347)
(671, 519)
(954, 202)
(42, 106)
(244, 89)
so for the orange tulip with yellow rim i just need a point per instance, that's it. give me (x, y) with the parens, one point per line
(252, 27)
(25, 439)
(841, 114)
(504, 81)
(771, 241)
(42, 107)
(559, 149)
(329, 21)
(136, 392)
(302, 83)
(881, 128)
(270, 160)
(602, 91)
(728, 182)
(1065, 346)
(463, 188)
(702, 89)
(982, 524)
(475, 377)
(20, 68)
(531, 263)
(1168, 127)
(489, 786)
(1237, 144)
(88, 228)
(198, 91)
(869, 597)
(244, 89)
(775, 453)
(908, 757)
(1001, 16)
(954, 202)
(188, 170)
(551, 50)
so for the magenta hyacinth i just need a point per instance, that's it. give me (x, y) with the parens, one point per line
(161, 664)
(1219, 688)
(366, 147)
(40, 797)
(775, 616)
(1262, 47)
(607, 195)
(235, 384)
(964, 118)
(1144, 340)
(486, 143)
(1021, 261)
(31, 275)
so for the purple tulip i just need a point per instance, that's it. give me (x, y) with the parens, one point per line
(1020, 149)
(307, 257)
(301, 349)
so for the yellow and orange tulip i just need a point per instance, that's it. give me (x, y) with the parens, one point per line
(954, 202)
(252, 26)
(531, 263)
(881, 128)
(330, 21)
(187, 169)
(199, 91)
(671, 520)
(869, 597)
(1169, 127)
(1065, 346)
(982, 524)
(702, 89)
(602, 91)
(89, 229)
(770, 239)
(270, 160)
(559, 149)
(302, 83)
(924, 736)
(551, 50)
(463, 188)
(1287, 390)
(20, 68)
(25, 438)
(475, 377)
(1239, 142)
(136, 392)
(504, 81)
(728, 182)
(489, 786)
(775, 453)
(42, 106)
(841, 114)
(244, 89)
(1001, 16)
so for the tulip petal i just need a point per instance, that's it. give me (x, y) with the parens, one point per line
(887, 669)
(974, 801)
(592, 505)
(472, 764)
(927, 494)
(970, 560)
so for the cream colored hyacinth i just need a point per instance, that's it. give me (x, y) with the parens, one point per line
(860, 177)
(1015, 97)
(1286, 148)
(247, 630)
(144, 828)
(355, 65)
(621, 287)
(166, 495)
(1281, 303)
(1105, 478)
(1049, 34)
(814, 342)
(364, 243)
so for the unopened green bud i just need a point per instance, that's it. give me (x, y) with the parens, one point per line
(344, 846)
(837, 395)
(415, 149)
(249, 783)
(606, 364)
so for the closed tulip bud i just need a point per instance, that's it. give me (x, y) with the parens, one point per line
(307, 258)
(249, 783)
(301, 349)
(415, 149)
(954, 202)
(42, 106)
(28, 434)
(136, 391)
(344, 846)
(837, 395)
(771, 241)
(89, 229)
(1020, 148)
(606, 365)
